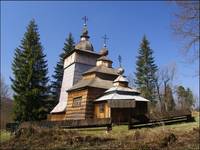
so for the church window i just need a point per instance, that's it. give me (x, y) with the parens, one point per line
(77, 102)
(101, 108)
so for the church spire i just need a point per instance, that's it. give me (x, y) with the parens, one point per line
(85, 19)
(84, 43)
(84, 35)
(104, 50)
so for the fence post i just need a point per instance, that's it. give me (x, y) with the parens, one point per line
(130, 124)
(109, 127)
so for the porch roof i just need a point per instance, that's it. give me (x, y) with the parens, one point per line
(117, 96)
(122, 89)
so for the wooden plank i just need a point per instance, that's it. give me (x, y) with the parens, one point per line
(121, 103)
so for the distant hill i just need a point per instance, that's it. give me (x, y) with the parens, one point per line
(6, 111)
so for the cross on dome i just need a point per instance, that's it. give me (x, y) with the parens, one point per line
(84, 35)
(105, 38)
(120, 61)
(85, 19)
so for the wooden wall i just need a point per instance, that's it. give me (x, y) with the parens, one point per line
(86, 110)
(120, 115)
(141, 108)
(78, 112)
(56, 117)
(105, 113)
(111, 77)
(89, 76)
(93, 93)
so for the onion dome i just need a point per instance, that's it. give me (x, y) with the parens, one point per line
(85, 32)
(120, 71)
(121, 80)
(84, 43)
(104, 60)
(103, 51)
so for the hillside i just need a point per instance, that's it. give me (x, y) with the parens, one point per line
(178, 136)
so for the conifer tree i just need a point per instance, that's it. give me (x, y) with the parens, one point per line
(185, 97)
(59, 70)
(146, 71)
(190, 100)
(30, 80)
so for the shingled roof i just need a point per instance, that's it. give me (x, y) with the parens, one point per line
(93, 53)
(94, 82)
(102, 69)
(122, 89)
(120, 95)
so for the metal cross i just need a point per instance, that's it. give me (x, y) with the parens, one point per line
(105, 38)
(85, 19)
(120, 61)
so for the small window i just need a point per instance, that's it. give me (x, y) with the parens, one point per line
(77, 102)
(101, 108)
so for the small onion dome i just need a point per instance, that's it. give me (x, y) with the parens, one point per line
(103, 52)
(85, 32)
(121, 80)
(120, 70)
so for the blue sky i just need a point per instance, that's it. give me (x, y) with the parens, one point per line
(125, 23)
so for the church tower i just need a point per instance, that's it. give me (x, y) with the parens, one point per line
(81, 59)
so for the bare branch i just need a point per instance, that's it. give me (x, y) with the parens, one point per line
(186, 26)
(5, 90)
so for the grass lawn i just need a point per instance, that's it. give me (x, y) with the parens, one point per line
(122, 130)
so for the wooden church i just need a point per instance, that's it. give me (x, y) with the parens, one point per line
(91, 88)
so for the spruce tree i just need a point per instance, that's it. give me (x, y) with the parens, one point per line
(59, 70)
(180, 91)
(190, 100)
(146, 71)
(185, 97)
(30, 80)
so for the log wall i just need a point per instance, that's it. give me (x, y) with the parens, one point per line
(56, 117)
(105, 113)
(93, 93)
(86, 109)
(76, 112)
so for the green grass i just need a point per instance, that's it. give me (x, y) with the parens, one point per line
(4, 135)
(122, 130)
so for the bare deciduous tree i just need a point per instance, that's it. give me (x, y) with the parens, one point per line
(186, 26)
(131, 80)
(165, 77)
(5, 91)
(168, 73)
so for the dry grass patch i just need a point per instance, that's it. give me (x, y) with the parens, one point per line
(4, 136)
(176, 136)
